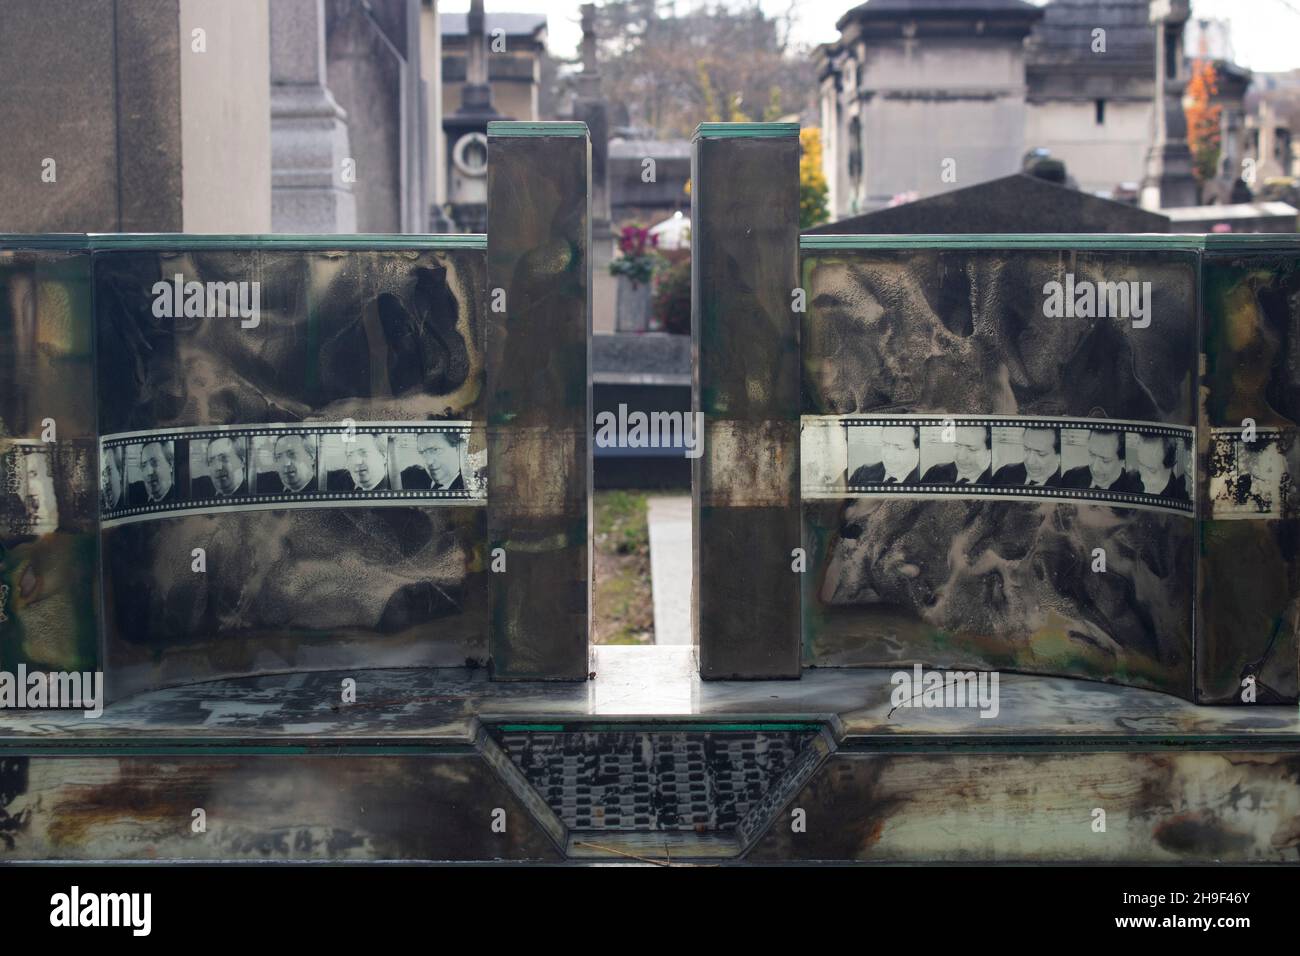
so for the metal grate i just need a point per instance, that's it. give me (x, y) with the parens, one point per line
(615, 780)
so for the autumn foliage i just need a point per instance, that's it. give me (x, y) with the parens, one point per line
(812, 181)
(1203, 116)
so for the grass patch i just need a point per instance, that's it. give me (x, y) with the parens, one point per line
(624, 609)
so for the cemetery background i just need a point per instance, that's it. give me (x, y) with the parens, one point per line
(383, 85)
(402, 90)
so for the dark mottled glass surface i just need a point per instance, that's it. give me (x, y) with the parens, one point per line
(998, 584)
(390, 336)
(1249, 587)
(48, 588)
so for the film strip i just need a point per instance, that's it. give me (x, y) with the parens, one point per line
(175, 471)
(1121, 463)
(29, 501)
(46, 486)
(1252, 473)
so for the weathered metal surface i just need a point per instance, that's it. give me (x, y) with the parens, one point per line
(1249, 574)
(539, 398)
(745, 215)
(1194, 807)
(645, 683)
(1198, 806)
(284, 770)
(276, 806)
(984, 583)
(382, 335)
(48, 566)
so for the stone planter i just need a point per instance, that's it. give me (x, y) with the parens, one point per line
(633, 307)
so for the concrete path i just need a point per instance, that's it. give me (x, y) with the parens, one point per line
(670, 567)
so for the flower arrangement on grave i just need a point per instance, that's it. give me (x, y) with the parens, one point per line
(637, 254)
(671, 305)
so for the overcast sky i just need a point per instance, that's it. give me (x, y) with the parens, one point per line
(1264, 32)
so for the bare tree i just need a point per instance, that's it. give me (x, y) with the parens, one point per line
(722, 61)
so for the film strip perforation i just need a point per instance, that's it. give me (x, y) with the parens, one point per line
(1116, 462)
(1004, 422)
(230, 468)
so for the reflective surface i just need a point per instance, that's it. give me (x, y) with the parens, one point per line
(631, 683)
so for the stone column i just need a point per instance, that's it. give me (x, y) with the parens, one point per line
(309, 132)
(415, 128)
(435, 152)
(1169, 180)
(466, 131)
(95, 90)
(745, 339)
(591, 108)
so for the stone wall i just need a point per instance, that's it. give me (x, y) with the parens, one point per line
(137, 121)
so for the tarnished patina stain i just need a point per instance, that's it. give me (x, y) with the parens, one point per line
(1248, 618)
(443, 703)
(547, 468)
(14, 822)
(1189, 807)
(284, 771)
(998, 584)
(377, 335)
(49, 582)
(745, 210)
(267, 807)
(366, 335)
(539, 403)
(749, 464)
